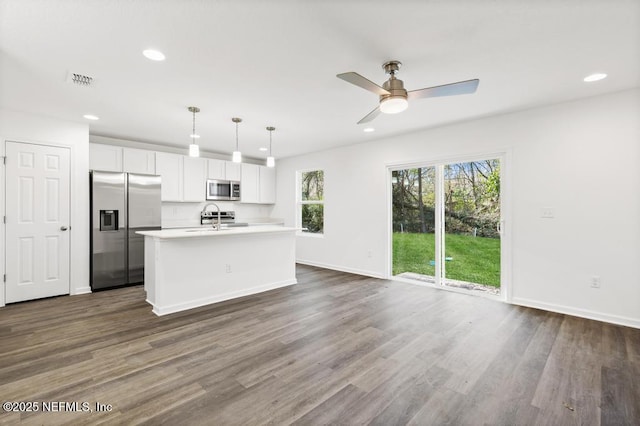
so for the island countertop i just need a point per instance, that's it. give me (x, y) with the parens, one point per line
(210, 232)
(191, 267)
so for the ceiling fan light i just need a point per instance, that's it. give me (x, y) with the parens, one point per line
(393, 105)
(236, 157)
(194, 150)
(271, 162)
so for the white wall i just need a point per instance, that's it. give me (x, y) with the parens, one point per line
(22, 127)
(580, 158)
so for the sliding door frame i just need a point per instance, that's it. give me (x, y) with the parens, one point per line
(504, 155)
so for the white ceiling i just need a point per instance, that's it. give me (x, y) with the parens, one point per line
(275, 63)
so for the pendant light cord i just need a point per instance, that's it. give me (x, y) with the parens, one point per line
(270, 132)
(193, 133)
(237, 136)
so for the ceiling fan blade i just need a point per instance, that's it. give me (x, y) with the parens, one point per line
(369, 117)
(459, 88)
(360, 81)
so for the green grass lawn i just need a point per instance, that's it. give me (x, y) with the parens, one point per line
(473, 259)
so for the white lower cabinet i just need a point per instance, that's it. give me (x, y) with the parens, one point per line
(258, 184)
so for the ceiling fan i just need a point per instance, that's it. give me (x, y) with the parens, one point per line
(394, 97)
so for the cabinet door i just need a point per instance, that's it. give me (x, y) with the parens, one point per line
(249, 183)
(267, 185)
(170, 166)
(216, 169)
(195, 176)
(107, 158)
(233, 171)
(139, 161)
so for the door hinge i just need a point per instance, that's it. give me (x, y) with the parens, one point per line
(4, 278)
(4, 160)
(4, 219)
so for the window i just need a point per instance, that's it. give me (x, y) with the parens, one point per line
(311, 201)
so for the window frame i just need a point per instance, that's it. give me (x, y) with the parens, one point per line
(300, 202)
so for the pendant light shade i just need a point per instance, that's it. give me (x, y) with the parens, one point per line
(271, 162)
(194, 148)
(237, 155)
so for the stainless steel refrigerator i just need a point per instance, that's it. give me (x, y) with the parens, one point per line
(121, 204)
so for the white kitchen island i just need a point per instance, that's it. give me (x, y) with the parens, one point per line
(187, 268)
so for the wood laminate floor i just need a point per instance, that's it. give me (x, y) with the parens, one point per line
(335, 349)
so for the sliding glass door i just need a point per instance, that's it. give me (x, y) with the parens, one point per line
(446, 224)
(414, 223)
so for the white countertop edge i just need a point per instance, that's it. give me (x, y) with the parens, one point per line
(206, 232)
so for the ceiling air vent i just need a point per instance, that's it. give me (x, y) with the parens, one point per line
(80, 79)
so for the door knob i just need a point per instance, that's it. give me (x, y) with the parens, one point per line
(63, 228)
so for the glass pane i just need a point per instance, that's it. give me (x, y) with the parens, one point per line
(313, 217)
(472, 215)
(413, 215)
(312, 185)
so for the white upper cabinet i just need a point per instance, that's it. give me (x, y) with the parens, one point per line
(267, 185)
(223, 170)
(107, 158)
(170, 167)
(216, 169)
(139, 161)
(249, 192)
(258, 184)
(233, 171)
(183, 178)
(195, 176)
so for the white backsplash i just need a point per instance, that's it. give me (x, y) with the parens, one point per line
(178, 215)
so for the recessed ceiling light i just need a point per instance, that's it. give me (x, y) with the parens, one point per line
(264, 149)
(154, 55)
(91, 117)
(369, 129)
(595, 77)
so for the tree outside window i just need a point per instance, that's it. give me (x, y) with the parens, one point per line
(312, 201)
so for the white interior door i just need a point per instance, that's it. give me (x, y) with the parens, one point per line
(37, 221)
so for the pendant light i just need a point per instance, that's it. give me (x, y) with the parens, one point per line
(271, 162)
(194, 149)
(237, 155)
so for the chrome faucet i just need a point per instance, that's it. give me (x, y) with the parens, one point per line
(204, 209)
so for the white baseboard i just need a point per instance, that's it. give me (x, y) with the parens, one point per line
(81, 290)
(219, 298)
(583, 313)
(341, 268)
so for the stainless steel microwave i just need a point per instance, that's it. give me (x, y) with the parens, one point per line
(223, 190)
